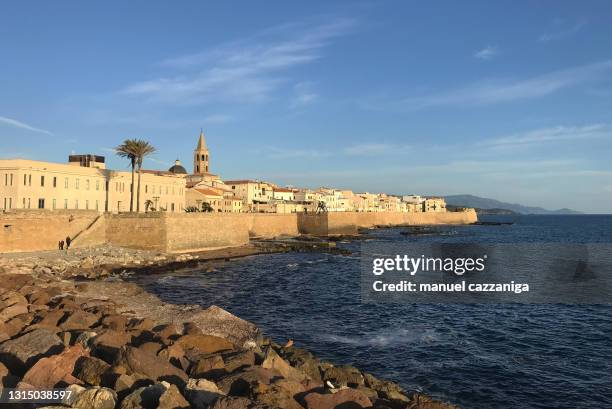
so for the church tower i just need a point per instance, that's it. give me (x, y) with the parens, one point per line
(200, 157)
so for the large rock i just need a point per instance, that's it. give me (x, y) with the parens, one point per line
(94, 398)
(201, 393)
(56, 370)
(344, 398)
(199, 344)
(107, 344)
(281, 393)
(343, 376)
(21, 353)
(12, 304)
(236, 402)
(425, 402)
(238, 360)
(217, 321)
(160, 395)
(91, 370)
(210, 367)
(242, 383)
(79, 320)
(273, 361)
(303, 360)
(154, 367)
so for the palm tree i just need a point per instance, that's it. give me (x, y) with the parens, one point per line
(142, 150)
(135, 150)
(148, 205)
(128, 150)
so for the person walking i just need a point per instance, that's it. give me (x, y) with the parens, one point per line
(60, 244)
(68, 241)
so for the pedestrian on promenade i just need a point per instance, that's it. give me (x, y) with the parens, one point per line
(68, 241)
(61, 245)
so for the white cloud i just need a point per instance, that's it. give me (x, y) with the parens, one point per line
(373, 149)
(552, 134)
(17, 124)
(498, 91)
(487, 53)
(242, 71)
(303, 94)
(561, 30)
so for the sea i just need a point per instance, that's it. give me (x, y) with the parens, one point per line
(489, 355)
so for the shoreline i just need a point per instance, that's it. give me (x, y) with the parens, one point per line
(128, 337)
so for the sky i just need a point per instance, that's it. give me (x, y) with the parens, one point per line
(509, 100)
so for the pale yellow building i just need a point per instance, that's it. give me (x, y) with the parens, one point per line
(434, 204)
(84, 183)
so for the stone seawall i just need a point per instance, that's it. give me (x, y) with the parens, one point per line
(176, 232)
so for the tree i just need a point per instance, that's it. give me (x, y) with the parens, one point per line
(128, 150)
(141, 150)
(206, 207)
(192, 209)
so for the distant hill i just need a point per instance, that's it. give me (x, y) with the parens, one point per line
(485, 205)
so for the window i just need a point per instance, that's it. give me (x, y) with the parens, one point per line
(146, 188)
(6, 179)
(97, 205)
(29, 180)
(54, 181)
(42, 183)
(172, 206)
(97, 185)
(54, 204)
(65, 183)
(29, 203)
(24, 203)
(86, 184)
(41, 203)
(65, 203)
(76, 185)
(25, 180)
(86, 204)
(11, 179)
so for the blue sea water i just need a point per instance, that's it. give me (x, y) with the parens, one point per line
(474, 355)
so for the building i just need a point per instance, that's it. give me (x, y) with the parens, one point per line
(84, 183)
(253, 193)
(283, 194)
(434, 204)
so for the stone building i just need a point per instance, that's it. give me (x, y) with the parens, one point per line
(84, 183)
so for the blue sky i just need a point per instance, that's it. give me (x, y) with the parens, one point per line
(509, 100)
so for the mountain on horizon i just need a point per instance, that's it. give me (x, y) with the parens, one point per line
(486, 203)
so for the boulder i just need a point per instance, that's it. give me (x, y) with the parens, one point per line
(145, 324)
(201, 393)
(47, 319)
(12, 304)
(91, 370)
(344, 398)
(79, 320)
(150, 365)
(210, 367)
(21, 353)
(241, 383)
(115, 322)
(160, 395)
(302, 360)
(175, 354)
(281, 393)
(150, 347)
(56, 370)
(107, 344)
(237, 360)
(198, 344)
(217, 321)
(39, 297)
(420, 401)
(343, 376)
(95, 398)
(273, 361)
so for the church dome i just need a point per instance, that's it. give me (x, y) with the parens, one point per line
(178, 168)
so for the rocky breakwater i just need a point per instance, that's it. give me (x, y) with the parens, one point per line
(115, 346)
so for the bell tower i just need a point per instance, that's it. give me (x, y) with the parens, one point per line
(200, 156)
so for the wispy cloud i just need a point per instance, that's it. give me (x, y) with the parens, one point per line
(487, 53)
(553, 134)
(303, 94)
(242, 71)
(562, 30)
(372, 149)
(497, 91)
(22, 125)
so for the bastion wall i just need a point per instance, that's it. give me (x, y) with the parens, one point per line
(174, 232)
